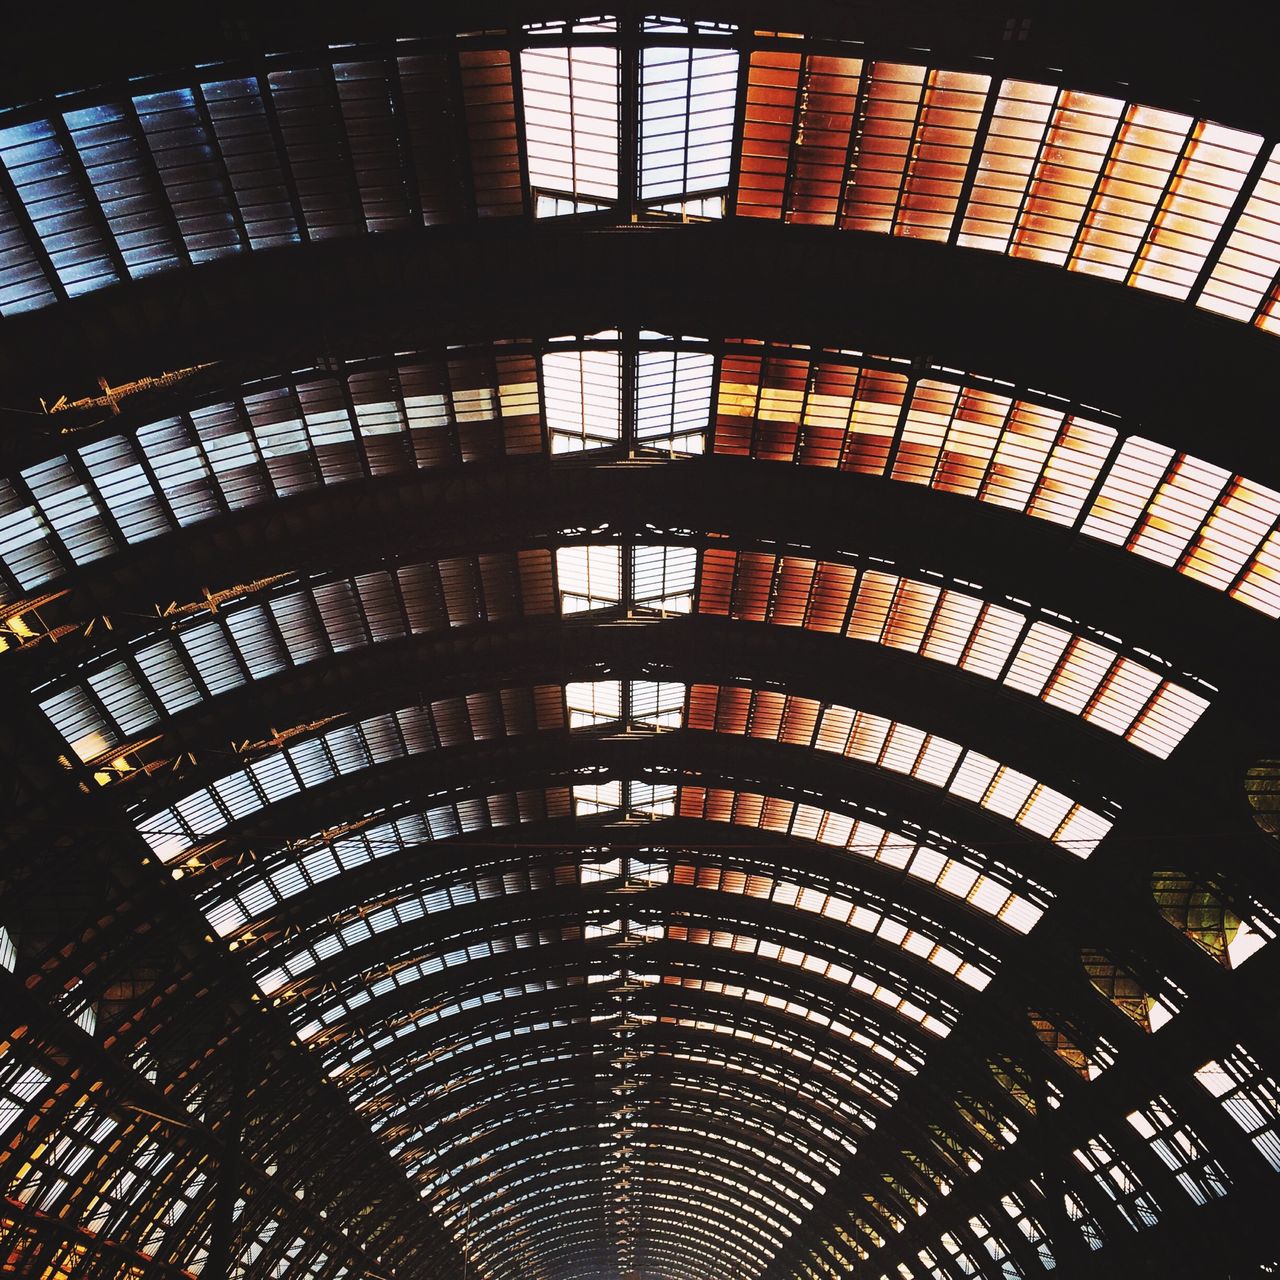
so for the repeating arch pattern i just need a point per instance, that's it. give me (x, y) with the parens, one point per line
(634, 801)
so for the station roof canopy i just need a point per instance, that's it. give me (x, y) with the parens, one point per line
(639, 646)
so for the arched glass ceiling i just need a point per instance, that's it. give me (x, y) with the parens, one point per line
(727, 994)
(134, 686)
(687, 119)
(1021, 451)
(311, 759)
(764, 996)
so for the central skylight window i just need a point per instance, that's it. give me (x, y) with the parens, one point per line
(584, 399)
(646, 578)
(673, 399)
(688, 99)
(650, 401)
(571, 125)
(623, 798)
(680, 114)
(651, 704)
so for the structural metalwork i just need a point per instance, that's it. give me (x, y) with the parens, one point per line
(638, 645)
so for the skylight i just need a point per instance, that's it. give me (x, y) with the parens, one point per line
(687, 103)
(583, 392)
(652, 578)
(673, 400)
(571, 121)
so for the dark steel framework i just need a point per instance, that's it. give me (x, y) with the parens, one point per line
(485, 990)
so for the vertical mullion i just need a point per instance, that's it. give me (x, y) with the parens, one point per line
(717, 370)
(348, 400)
(1108, 160)
(1184, 556)
(93, 206)
(1005, 427)
(1104, 472)
(919, 366)
(629, 369)
(148, 161)
(462, 137)
(975, 160)
(626, 571)
(793, 150)
(739, 124)
(343, 138)
(1229, 223)
(263, 80)
(544, 428)
(921, 107)
(629, 54)
(1174, 175)
(1251, 561)
(1015, 227)
(514, 49)
(215, 148)
(1165, 476)
(404, 143)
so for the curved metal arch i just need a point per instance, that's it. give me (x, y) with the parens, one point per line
(517, 1117)
(563, 1127)
(551, 912)
(705, 1057)
(332, 804)
(719, 1252)
(941, 1103)
(733, 421)
(518, 1192)
(672, 1236)
(389, 698)
(823, 872)
(62, 614)
(583, 755)
(346, 217)
(555, 1096)
(730, 495)
(768, 1085)
(717, 1244)
(448, 1130)
(779, 1068)
(740, 469)
(304, 930)
(338, 295)
(691, 1179)
(1044, 740)
(709, 961)
(1170, 66)
(549, 1143)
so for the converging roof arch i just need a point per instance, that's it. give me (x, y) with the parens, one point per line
(631, 646)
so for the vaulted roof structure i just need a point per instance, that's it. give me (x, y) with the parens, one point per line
(639, 645)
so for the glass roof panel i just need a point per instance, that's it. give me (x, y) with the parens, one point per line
(1241, 283)
(189, 173)
(885, 744)
(943, 624)
(673, 400)
(688, 99)
(583, 392)
(50, 182)
(589, 577)
(571, 119)
(956, 436)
